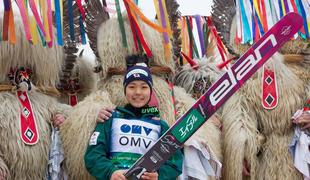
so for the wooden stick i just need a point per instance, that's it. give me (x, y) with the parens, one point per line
(293, 58)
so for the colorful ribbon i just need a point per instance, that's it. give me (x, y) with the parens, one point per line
(121, 23)
(200, 35)
(162, 15)
(6, 18)
(24, 15)
(137, 33)
(35, 13)
(255, 17)
(58, 19)
(81, 9)
(146, 20)
(71, 20)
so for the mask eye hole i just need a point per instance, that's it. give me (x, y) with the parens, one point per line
(198, 86)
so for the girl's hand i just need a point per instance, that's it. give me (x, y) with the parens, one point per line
(118, 175)
(150, 176)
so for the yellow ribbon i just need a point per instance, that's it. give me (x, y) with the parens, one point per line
(45, 19)
(33, 30)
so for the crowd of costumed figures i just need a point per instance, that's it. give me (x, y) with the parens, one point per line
(51, 92)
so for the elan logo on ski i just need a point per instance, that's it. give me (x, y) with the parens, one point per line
(216, 95)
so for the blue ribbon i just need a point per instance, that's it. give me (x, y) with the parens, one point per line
(253, 21)
(280, 8)
(245, 24)
(71, 20)
(82, 30)
(7, 5)
(303, 13)
(58, 22)
(286, 6)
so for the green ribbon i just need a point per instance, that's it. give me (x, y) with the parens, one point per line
(121, 23)
(192, 40)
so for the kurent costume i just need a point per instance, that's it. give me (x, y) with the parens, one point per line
(82, 82)
(120, 141)
(77, 77)
(196, 78)
(107, 38)
(257, 127)
(28, 74)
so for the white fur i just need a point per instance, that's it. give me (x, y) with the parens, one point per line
(262, 136)
(18, 160)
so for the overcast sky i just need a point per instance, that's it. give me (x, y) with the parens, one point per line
(187, 7)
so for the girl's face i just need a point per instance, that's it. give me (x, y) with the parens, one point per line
(138, 93)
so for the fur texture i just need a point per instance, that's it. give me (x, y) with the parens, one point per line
(87, 80)
(77, 129)
(207, 73)
(45, 62)
(23, 161)
(17, 160)
(262, 136)
(113, 54)
(186, 78)
(275, 160)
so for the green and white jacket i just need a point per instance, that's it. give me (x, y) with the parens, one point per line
(120, 141)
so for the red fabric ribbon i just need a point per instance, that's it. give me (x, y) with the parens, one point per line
(136, 30)
(219, 42)
(29, 131)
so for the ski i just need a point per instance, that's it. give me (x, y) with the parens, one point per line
(216, 95)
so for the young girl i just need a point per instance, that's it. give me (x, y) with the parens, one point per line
(118, 142)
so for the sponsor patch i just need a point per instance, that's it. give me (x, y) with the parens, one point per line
(136, 71)
(94, 138)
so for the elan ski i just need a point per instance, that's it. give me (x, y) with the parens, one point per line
(216, 95)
